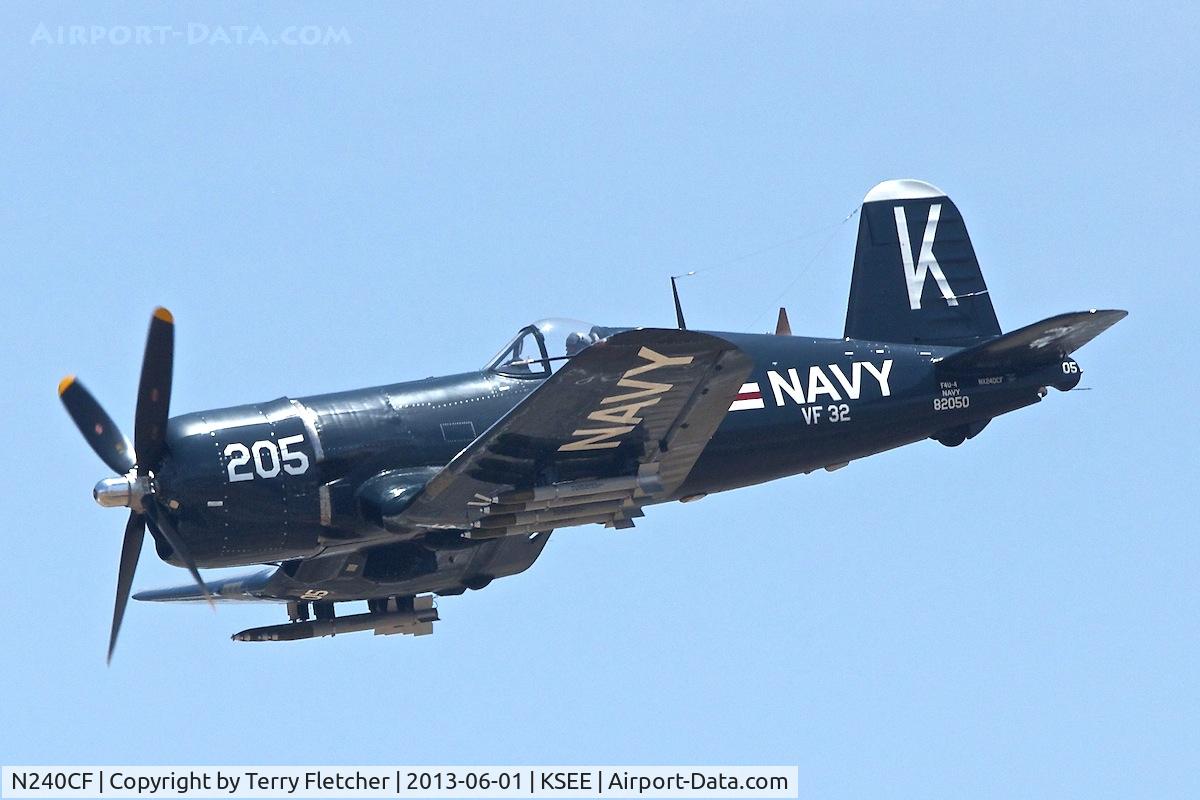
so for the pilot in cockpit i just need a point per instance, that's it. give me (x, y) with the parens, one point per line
(541, 348)
(578, 340)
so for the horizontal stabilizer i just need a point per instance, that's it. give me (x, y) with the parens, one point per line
(1038, 344)
(248, 586)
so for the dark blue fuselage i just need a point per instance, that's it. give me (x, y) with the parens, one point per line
(808, 404)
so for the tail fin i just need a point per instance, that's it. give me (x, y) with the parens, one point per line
(916, 278)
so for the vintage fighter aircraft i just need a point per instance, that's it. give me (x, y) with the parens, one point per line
(398, 493)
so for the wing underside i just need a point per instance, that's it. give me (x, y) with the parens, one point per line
(437, 565)
(619, 425)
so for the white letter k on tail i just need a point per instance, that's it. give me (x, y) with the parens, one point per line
(926, 263)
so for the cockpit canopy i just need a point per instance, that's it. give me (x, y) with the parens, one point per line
(541, 348)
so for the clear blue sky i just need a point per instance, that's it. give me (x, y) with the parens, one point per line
(1017, 617)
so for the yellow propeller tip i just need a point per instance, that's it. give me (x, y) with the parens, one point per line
(65, 384)
(164, 315)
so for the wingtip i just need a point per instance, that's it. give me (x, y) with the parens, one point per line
(1117, 314)
(65, 384)
(161, 313)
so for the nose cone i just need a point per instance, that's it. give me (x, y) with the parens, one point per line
(113, 492)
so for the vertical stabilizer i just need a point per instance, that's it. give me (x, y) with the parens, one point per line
(916, 278)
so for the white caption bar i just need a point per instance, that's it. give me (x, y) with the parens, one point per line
(392, 782)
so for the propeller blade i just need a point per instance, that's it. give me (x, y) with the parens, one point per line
(96, 426)
(131, 548)
(782, 326)
(154, 391)
(162, 523)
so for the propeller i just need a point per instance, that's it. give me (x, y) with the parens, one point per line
(154, 392)
(96, 426)
(136, 463)
(131, 548)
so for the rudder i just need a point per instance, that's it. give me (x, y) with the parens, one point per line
(916, 278)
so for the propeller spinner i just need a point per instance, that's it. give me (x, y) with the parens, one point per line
(137, 463)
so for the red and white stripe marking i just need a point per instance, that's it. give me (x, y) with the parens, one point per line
(747, 397)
